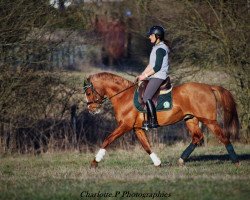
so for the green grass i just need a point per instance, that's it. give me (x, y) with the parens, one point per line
(65, 175)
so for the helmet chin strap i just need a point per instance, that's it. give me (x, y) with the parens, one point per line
(156, 41)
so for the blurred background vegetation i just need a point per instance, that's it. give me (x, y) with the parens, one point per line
(48, 47)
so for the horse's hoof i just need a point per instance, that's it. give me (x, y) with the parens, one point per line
(181, 162)
(160, 165)
(237, 164)
(94, 164)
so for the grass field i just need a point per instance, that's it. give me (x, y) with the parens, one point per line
(127, 174)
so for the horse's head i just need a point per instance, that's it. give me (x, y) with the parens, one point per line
(94, 97)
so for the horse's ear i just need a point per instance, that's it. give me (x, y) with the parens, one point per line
(86, 84)
(86, 81)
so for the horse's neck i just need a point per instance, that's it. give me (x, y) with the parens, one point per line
(114, 89)
(110, 85)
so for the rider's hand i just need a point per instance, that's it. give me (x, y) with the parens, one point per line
(142, 77)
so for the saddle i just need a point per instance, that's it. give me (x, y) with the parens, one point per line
(165, 87)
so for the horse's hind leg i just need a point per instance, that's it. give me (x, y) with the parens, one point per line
(197, 136)
(145, 144)
(217, 130)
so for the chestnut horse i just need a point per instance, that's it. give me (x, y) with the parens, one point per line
(193, 102)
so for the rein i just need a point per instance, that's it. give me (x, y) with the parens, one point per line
(124, 90)
(103, 99)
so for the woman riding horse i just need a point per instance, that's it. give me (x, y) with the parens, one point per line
(190, 99)
(156, 72)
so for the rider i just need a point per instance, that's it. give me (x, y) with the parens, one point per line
(156, 72)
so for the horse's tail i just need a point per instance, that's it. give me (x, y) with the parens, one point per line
(231, 124)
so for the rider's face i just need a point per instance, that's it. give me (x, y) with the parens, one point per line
(152, 38)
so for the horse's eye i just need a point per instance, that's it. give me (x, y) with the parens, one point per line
(88, 93)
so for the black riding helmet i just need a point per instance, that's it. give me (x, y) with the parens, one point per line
(158, 31)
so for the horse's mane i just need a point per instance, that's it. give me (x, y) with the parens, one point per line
(112, 78)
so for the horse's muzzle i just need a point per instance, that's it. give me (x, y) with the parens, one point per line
(94, 108)
(95, 112)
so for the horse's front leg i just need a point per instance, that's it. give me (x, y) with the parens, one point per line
(145, 144)
(119, 131)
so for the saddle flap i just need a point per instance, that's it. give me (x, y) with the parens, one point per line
(165, 87)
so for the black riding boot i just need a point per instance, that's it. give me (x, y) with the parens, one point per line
(152, 113)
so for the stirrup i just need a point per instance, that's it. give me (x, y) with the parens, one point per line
(145, 125)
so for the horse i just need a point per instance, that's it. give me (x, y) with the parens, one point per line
(194, 102)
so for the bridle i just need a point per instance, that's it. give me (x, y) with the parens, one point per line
(102, 99)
